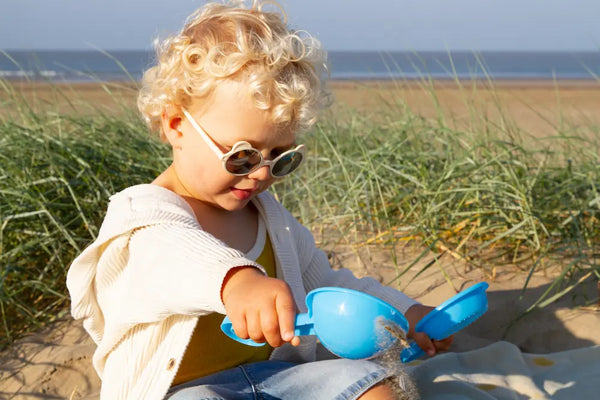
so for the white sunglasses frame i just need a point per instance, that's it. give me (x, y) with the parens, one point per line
(243, 145)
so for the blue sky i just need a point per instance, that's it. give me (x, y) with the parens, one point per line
(414, 25)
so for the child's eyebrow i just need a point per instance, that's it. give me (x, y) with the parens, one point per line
(284, 146)
(287, 146)
(281, 148)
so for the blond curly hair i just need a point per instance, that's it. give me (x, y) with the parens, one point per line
(283, 68)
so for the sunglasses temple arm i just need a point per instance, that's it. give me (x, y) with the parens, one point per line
(203, 134)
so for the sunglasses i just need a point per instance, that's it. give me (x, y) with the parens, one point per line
(243, 159)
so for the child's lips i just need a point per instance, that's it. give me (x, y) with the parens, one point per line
(242, 194)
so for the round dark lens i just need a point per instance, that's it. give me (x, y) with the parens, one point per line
(243, 162)
(287, 164)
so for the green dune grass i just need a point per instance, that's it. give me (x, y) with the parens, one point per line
(482, 193)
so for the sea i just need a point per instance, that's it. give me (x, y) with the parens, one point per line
(128, 65)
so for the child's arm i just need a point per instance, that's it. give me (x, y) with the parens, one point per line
(259, 307)
(158, 271)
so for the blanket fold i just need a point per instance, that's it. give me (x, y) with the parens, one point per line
(502, 371)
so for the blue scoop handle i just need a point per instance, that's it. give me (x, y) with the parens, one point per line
(412, 352)
(303, 326)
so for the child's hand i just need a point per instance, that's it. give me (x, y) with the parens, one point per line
(414, 314)
(259, 307)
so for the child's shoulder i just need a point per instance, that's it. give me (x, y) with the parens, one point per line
(144, 205)
(149, 196)
(146, 190)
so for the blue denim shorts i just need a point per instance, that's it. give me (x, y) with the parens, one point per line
(338, 379)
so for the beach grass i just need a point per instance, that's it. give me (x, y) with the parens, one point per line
(484, 192)
(57, 173)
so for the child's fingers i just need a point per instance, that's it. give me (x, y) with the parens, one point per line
(444, 344)
(265, 310)
(238, 322)
(432, 347)
(425, 343)
(254, 326)
(286, 312)
(270, 327)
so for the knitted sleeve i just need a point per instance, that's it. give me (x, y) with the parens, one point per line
(169, 269)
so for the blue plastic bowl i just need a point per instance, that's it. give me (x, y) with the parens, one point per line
(352, 324)
(349, 323)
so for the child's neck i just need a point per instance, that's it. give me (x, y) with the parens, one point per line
(236, 228)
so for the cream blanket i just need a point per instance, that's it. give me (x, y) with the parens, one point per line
(502, 371)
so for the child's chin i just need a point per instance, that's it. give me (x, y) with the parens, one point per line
(235, 205)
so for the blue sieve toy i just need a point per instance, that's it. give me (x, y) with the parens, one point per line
(449, 317)
(349, 323)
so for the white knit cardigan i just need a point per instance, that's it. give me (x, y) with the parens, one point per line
(142, 284)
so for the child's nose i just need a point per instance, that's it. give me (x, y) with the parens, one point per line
(261, 174)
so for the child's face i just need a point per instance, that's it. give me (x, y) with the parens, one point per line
(228, 117)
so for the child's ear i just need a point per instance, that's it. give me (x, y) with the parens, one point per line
(171, 119)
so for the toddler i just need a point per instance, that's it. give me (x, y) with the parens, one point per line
(230, 94)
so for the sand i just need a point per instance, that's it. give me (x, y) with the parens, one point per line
(56, 362)
(536, 107)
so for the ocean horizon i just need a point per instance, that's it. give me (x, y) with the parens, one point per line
(128, 65)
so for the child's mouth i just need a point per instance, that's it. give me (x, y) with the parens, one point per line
(242, 194)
